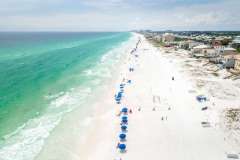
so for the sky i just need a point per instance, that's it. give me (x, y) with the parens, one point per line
(118, 15)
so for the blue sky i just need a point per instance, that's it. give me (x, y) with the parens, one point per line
(119, 15)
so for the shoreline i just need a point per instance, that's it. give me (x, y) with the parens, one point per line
(85, 131)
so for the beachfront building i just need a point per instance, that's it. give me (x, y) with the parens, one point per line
(228, 61)
(237, 63)
(200, 48)
(229, 56)
(227, 51)
(183, 45)
(210, 53)
(193, 44)
(219, 41)
(158, 38)
(168, 37)
(188, 45)
(236, 43)
(204, 51)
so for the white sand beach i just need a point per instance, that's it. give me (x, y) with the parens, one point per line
(166, 118)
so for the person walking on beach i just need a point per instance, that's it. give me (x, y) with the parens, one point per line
(118, 145)
(130, 111)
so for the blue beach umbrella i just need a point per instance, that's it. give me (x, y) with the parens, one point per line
(117, 98)
(201, 98)
(122, 136)
(124, 118)
(121, 85)
(124, 128)
(124, 110)
(119, 95)
(122, 146)
(121, 92)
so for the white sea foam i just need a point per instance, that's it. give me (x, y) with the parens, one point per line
(27, 141)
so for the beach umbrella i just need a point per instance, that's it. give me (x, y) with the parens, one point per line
(124, 128)
(121, 92)
(122, 136)
(118, 98)
(124, 117)
(124, 110)
(119, 95)
(124, 120)
(201, 98)
(122, 146)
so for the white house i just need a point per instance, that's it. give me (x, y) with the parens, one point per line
(168, 37)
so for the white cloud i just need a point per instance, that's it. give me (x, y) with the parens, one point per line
(122, 15)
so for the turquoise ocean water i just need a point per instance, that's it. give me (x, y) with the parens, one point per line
(41, 76)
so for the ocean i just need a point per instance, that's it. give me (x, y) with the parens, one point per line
(43, 76)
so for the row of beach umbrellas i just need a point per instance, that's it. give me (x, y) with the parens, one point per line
(124, 112)
(124, 120)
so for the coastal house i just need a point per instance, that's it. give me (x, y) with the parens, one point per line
(168, 37)
(158, 38)
(210, 53)
(200, 49)
(227, 51)
(236, 42)
(183, 45)
(193, 44)
(217, 41)
(237, 63)
(204, 51)
(229, 55)
(229, 62)
(216, 60)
